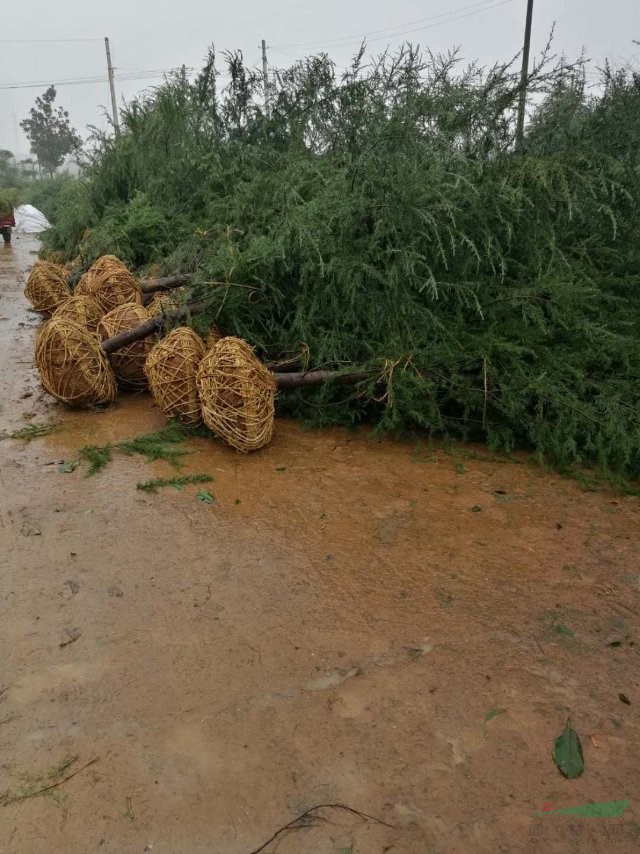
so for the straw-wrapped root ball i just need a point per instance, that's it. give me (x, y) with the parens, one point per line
(164, 303)
(128, 363)
(72, 365)
(87, 281)
(112, 284)
(237, 395)
(213, 336)
(171, 369)
(84, 311)
(74, 266)
(46, 287)
(85, 284)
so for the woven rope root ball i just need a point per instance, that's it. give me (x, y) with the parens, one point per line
(85, 284)
(237, 395)
(73, 367)
(112, 284)
(84, 311)
(213, 336)
(46, 287)
(171, 369)
(128, 363)
(163, 303)
(87, 280)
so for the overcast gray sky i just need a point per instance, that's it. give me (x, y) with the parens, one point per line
(151, 35)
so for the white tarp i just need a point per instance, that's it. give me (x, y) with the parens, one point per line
(30, 220)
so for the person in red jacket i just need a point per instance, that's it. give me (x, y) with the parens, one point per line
(6, 224)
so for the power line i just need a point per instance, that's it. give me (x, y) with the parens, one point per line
(45, 41)
(451, 16)
(77, 81)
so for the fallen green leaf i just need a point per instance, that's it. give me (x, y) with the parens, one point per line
(493, 714)
(67, 468)
(563, 630)
(281, 468)
(567, 753)
(476, 508)
(205, 497)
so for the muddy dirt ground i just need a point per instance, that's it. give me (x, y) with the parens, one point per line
(335, 629)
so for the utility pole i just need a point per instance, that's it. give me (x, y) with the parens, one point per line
(112, 87)
(522, 103)
(265, 76)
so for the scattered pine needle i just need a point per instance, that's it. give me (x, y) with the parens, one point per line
(34, 431)
(159, 445)
(157, 483)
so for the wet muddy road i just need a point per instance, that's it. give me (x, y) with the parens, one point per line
(400, 630)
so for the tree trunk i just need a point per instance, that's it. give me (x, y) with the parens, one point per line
(151, 286)
(309, 379)
(122, 339)
(299, 379)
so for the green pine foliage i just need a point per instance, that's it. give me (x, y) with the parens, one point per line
(384, 218)
(163, 444)
(156, 483)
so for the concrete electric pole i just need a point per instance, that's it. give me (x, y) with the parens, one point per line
(522, 103)
(112, 87)
(265, 76)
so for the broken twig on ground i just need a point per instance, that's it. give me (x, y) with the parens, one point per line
(303, 821)
(15, 799)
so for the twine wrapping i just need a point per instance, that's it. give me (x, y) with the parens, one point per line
(128, 363)
(46, 287)
(72, 365)
(171, 369)
(237, 395)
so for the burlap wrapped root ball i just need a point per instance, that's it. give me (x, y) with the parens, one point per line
(171, 369)
(84, 311)
(128, 363)
(47, 287)
(112, 284)
(237, 395)
(72, 365)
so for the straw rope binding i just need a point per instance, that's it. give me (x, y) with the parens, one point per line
(171, 369)
(127, 363)
(72, 365)
(213, 336)
(162, 303)
(46, 287)
(112, 284)
(84, 311)
(237, 395)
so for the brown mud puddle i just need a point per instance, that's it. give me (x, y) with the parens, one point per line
(335, 628)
